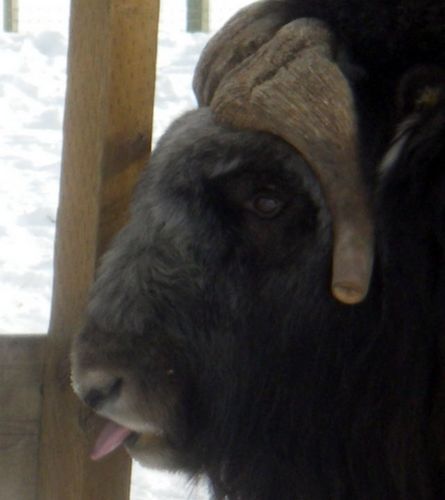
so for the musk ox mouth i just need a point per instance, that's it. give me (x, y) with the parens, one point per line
(112, 437)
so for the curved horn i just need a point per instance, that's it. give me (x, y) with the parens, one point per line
(240, 37)
(292, 88)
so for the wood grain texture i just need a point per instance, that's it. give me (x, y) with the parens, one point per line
(107, 132)
(21, 366)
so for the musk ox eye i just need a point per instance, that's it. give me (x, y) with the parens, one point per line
(265, 206)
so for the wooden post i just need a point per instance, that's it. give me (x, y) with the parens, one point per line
(197, 15)
(11, 15)
(107, 135)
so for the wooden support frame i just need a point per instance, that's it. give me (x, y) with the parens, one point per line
(21, 370)
(11, 15)
(107, 134)
(197, 15)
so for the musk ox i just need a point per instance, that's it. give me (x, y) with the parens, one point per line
(214, 341)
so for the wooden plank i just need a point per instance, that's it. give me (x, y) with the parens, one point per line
(21, 366)
(11, 15)
(107, 133)
(197, 15)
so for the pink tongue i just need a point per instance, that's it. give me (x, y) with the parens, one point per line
(111, 437)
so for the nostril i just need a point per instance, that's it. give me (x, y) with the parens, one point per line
(94, 398)
(98, 396)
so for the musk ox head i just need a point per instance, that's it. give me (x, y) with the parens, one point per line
(225, 227)
(212, 337)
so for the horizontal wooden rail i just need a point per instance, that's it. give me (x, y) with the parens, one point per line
(21, 369)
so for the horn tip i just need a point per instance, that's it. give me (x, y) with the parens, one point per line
(348, 293)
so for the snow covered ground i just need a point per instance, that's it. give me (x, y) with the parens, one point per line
(32, 89)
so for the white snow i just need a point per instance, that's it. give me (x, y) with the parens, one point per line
(32, 90)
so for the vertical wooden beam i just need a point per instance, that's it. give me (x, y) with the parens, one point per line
(107, 132)
(197, 15)
(11, 15)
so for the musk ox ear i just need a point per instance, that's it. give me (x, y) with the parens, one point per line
(420, 101)
(422, 88)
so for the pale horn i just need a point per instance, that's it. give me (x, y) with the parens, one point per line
(292, 87)
(240, 37)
